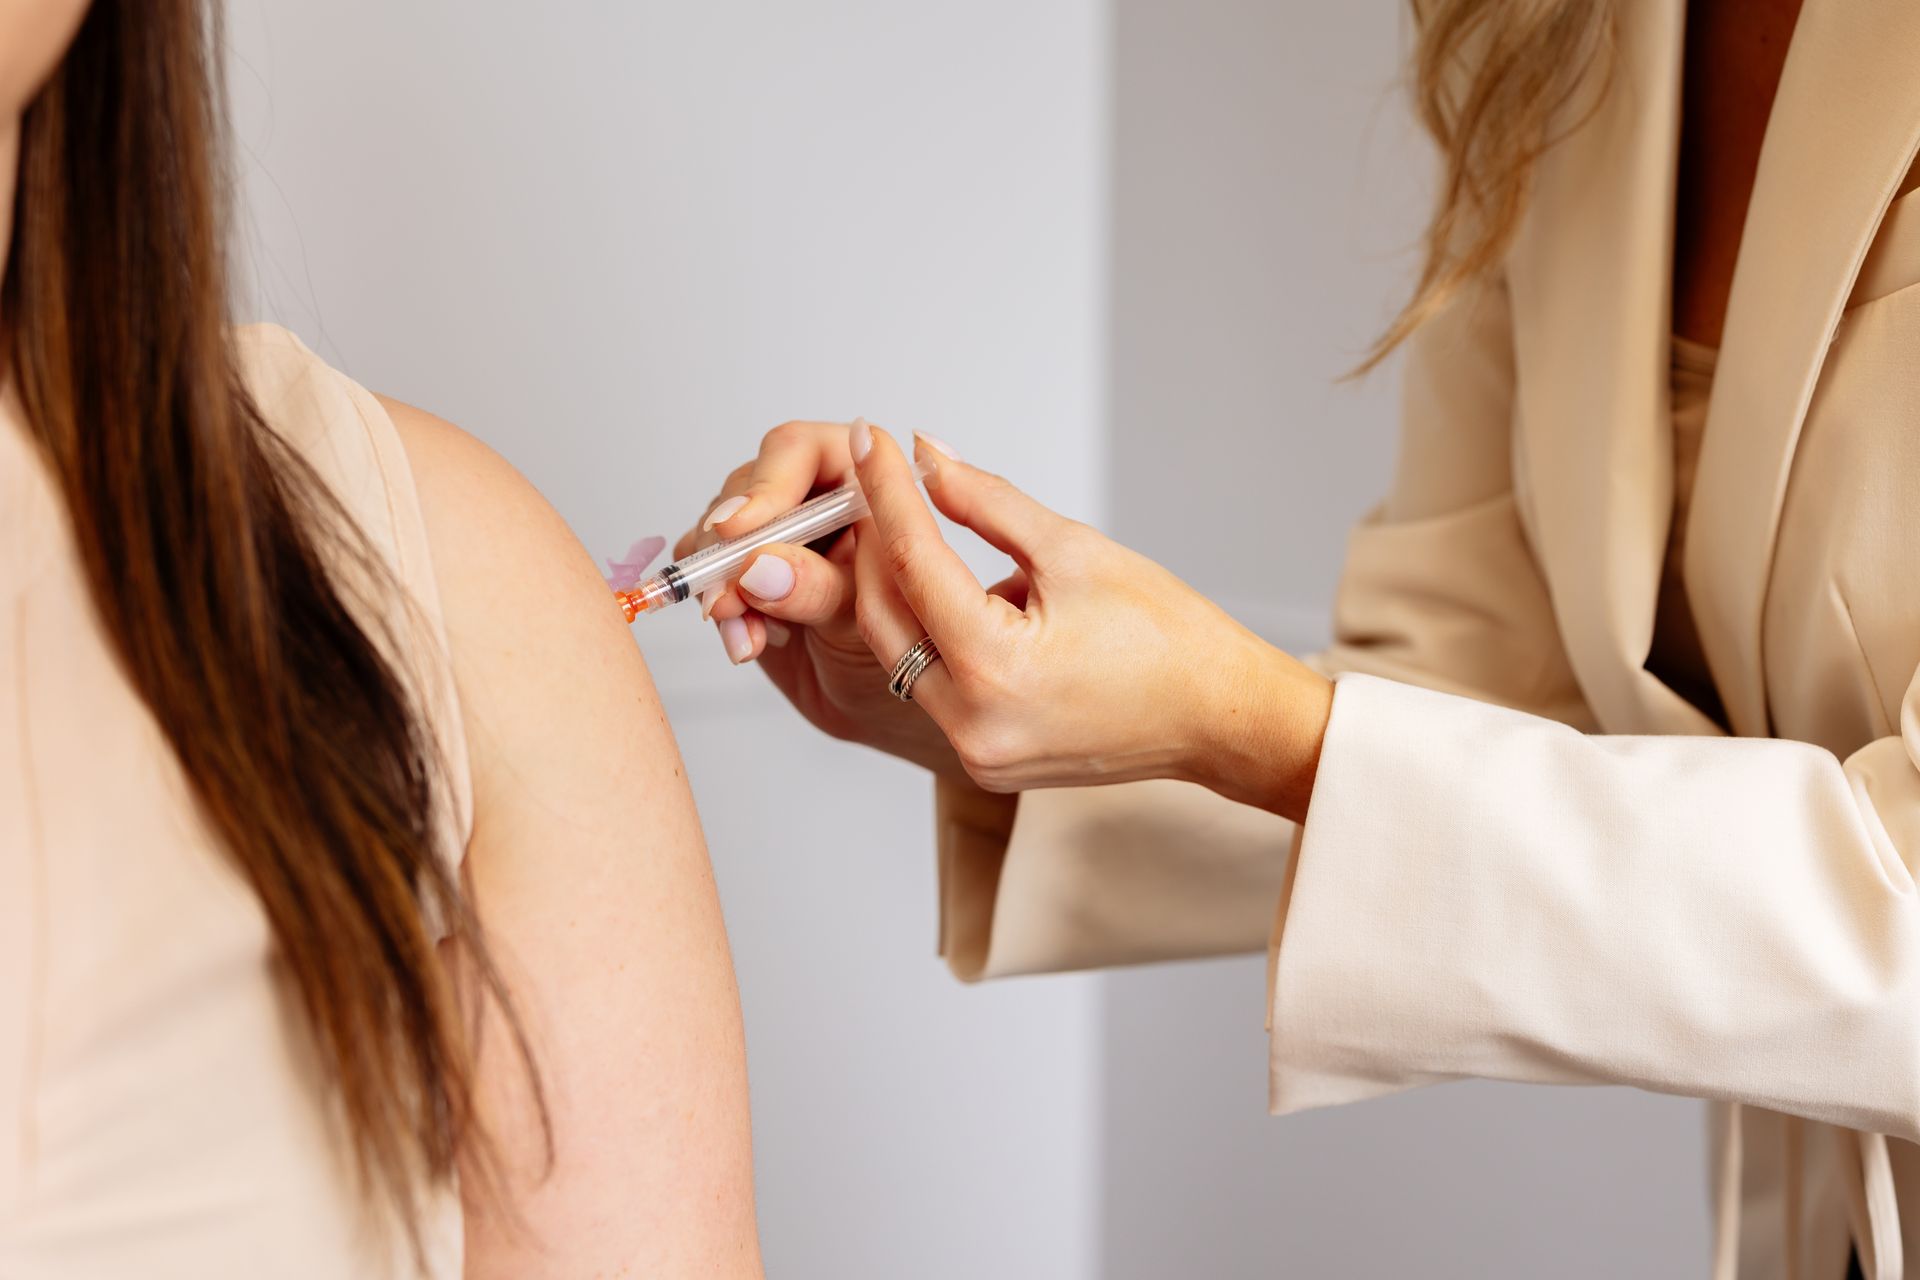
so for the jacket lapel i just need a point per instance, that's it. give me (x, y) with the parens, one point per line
(1843, 131)
(1590, 279)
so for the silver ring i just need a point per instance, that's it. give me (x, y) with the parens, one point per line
(912, 665)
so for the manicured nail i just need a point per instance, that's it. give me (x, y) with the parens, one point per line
(862, 439)
(927, 455)
(939, 444)
(733, 634)
(768, 577)
(725, 511)
(777, 634)
(709, 598)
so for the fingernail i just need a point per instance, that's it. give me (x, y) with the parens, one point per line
(862, 440)
(939, 444)
(709, 598)
(927, 453)
(733, 634)
(777, 634)
(724, 512)
(768, 577)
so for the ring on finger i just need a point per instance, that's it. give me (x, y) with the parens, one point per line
(912, 665)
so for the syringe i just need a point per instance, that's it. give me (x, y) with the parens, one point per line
(722, 562)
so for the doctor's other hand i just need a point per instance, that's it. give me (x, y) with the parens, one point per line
(1090, 664)
(794, 608)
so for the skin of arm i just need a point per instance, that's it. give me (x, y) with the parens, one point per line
(591, 879)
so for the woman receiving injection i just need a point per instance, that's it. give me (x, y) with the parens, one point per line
(331, 946)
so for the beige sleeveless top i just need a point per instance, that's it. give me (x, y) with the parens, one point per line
(162, 1113)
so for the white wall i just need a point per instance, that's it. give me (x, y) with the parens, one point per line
(1267, 181)
(620, 240)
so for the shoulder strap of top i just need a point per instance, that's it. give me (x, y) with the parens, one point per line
(351, 444)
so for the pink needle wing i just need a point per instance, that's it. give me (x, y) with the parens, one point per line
(625, 574)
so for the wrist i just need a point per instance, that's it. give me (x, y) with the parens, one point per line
(1261, 730)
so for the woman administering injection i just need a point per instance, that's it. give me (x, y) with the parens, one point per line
(1527, 844)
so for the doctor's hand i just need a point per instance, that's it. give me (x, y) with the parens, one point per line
(794, 607)
(1090, 664)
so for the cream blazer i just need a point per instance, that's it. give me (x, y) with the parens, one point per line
(1527, 858)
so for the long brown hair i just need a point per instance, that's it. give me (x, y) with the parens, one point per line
(1490, 79)
(214, 555)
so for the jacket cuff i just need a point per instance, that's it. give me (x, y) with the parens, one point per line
(1366, 964)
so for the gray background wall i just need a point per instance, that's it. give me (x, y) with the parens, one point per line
(1116, 248)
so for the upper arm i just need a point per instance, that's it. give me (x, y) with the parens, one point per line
(591, 880)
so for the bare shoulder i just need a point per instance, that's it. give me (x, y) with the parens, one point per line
(462, 479)
(556, 695)
(486, 522)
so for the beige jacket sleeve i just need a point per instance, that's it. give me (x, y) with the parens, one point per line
(1729, 918)
(1440, 590)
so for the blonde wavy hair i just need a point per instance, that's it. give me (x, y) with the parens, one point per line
(1493, 82)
